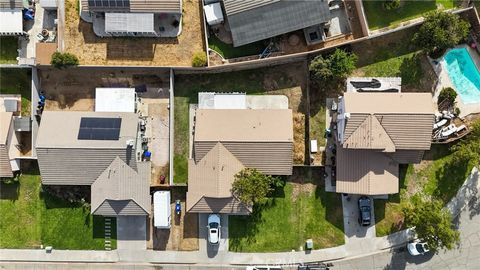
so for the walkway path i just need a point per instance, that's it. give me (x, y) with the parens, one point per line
(371, 253)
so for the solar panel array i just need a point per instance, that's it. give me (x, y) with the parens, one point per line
(109, 3)
(94, 128)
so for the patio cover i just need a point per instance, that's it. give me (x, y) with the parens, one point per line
(129, 23)
(11, 22)
(115, 100)
(213, 13)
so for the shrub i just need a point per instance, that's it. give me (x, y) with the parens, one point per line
(64, 60)
(440, 31)
(447, 93)
(337, 65)
(199, 59)
(391, 4)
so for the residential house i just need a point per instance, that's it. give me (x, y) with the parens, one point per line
(11, 18)
(375, 133)
(227, 140)
(155, 18)
(97, 149)
(252, 20)
(6, 134)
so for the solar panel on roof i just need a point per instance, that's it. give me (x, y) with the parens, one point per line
(95, 128)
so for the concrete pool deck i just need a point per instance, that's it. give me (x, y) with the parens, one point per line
(444, 81)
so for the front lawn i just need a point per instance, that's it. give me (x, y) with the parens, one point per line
(300, 211)
(378, 17)
(17, 81)
(8, 50)
(228, 51)
(439, 176)
(280, 80)
(30, 218)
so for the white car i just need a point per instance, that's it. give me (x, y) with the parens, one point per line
(213, 229)
(417, 248)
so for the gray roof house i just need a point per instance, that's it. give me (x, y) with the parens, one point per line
(228, 140)
(97, 149)
(375, 133)
(254, 20)
(153, 18)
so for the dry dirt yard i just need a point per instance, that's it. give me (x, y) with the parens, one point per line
(92, 50)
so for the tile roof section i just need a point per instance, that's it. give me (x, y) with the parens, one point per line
(120, 183)
(370, 134)
(269, 125)
(5, 124)
(378, 103)
(366, 172)
(212, 176)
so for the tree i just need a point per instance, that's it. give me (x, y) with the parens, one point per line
(440, 31)
(432, 222)
(391, 4)
(447, 93)
(64, 60)
(337, 65)
(199, 59)
(252, 187)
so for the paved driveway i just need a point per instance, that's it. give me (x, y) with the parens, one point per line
(353, 230)
(132, 232)
(204, 246)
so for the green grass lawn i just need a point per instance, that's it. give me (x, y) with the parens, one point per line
(228, 51)
(31, 217)
(317, 124)
(17, 81)
(8, 50)
(186, 92)
(378, 17)
(288, 220)
(440, 178)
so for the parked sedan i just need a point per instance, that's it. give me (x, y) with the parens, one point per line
(417, 248)
(213, 229)
(365, 211)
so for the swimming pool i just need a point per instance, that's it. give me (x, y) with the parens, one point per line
(464, 75)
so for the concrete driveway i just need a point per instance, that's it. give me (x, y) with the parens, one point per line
(353, 230)
(204, 246)
(132, 232)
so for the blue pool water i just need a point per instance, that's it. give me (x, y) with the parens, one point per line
(464, 75)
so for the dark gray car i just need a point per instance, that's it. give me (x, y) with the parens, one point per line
(365, 211)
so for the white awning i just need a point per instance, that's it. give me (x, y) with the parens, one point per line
(11, 22)
(115, 99)
(213, 13)
(129, 23)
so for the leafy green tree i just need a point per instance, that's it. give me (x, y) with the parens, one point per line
(337, 65)
(432, 222)
(252, 187)
(64, 60)
(199, 59)
(468, 150)
(440, 31)
(447, 93)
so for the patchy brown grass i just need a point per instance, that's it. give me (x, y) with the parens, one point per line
(298, 138)
(92, 50)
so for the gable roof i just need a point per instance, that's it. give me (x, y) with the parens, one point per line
(370, 134)
(212, 177)
(366, 172)
(254, 20)
(407, 119)
(244, 125)
(122, 190)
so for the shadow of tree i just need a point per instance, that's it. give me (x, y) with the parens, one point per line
(411, 69)
(9, 191)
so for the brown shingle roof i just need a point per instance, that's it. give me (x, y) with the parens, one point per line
(366, 172)
(370, 134)
(117, 185)
(212, 176)
(412, 103)
(269, 125)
